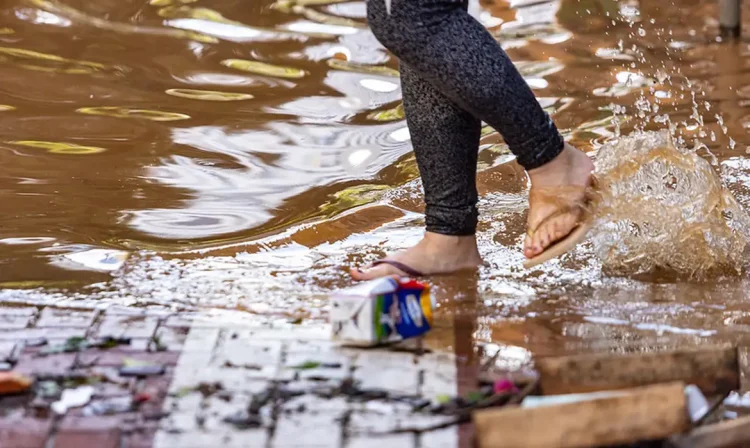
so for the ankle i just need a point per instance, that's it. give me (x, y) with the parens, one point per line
(442, 242)
(570, 164)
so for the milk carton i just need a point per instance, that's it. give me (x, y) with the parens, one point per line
(381, 311)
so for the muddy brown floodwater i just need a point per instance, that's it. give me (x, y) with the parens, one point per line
(239, 154)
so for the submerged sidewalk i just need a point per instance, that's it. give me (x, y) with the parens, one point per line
(163, 379)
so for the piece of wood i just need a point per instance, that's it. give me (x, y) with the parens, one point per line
(646, 413)
(733, 433)
(714, 369)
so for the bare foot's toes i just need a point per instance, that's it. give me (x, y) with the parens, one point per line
(379, 271)
(549, 233)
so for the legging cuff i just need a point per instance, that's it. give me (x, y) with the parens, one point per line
(545, 144)
(461, 221)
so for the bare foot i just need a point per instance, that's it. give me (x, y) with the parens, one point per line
(572, 168)
(435, 254)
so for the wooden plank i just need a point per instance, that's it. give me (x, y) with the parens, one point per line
(647, 413)
(714, 369)
(734, 433)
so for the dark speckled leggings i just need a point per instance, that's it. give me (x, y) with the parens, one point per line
(454, 75)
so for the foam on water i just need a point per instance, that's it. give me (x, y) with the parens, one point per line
(664, 208)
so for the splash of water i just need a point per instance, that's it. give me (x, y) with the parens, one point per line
(664, 209)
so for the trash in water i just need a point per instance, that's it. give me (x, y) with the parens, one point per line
(142, 370)
(96, 259)
(5, 367)
(72, 398)
(116, 405)
(13, 383)
(737, 400)
(381, 311)
(502, 386)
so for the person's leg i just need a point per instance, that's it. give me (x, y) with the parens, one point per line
(445, 139)
(449, 49)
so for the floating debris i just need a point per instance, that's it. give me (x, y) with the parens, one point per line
(262, 68)
(72, 398)
(124, 112)
(106, 260)
(6, 367)
(58, 147)
(139, 369)
(340, 64)
(14, 383)
(208, 95)
(307, 365)
(116, 405)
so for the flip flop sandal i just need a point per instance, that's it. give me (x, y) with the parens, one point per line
(577, 234)
(400, 266)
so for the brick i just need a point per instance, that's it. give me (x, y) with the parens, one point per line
(139, 438)
(308, 430)
(127, 325)
(390, 441)
(77, 432)
(12, 318)
(391, 371)
(56, 364)
(451, 437)
(172, 338)
(24, 432)
(61, 317)
(439, 374)
(6, 349)
(116, 356)
(61, 334)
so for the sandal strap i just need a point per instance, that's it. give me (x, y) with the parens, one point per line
(400, 266)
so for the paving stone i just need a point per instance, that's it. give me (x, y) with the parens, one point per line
(445, 438)
(201, 340)
(239, 351)
(395, 372)
(172, 338)
(116, 356)
(236, 380)
(127, 325)
(61, 317)
(6, 349)
(223, 439)
(439, 374)
(182, 428)
(293, 333)
(24, 432)
(387, 441)
(77, 432)
(13, 318)
(312, 404)
(298, 354)
(139, 438)
(35, 333)
(56, 364)
(308, 430)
